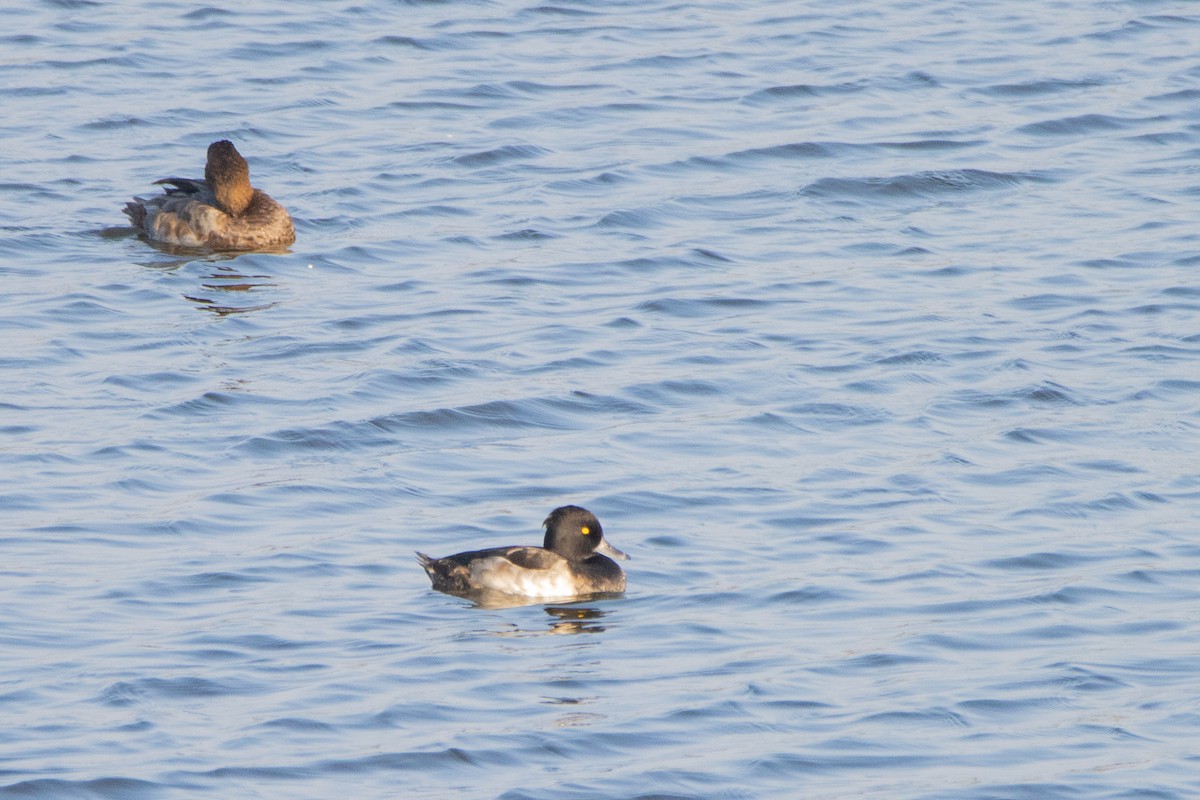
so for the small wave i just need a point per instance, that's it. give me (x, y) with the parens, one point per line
(574, 412)
(525, 235)
(125, 693)
(795, 91)
(1041, 87)
(500, 155)
(919, 184)
(563, 11)
(1103, 507)
(1026, 435)
(100, 788)
(690, 308)
(914, 357)
(395, 40)
(632, 219)
(1041, 561)
(600, 182)
(1053, 300)
(938, 717)
(833, 759)
(839, 414)
(1079, 125)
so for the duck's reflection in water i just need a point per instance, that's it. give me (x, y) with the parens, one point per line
(575, 619)
(567, 615)
(228, 279)
(225, 280)
(230, 276)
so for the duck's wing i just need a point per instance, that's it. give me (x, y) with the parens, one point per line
(461, 572)
(524, 557)
(527, 571)
(531, 557)
(183, 185)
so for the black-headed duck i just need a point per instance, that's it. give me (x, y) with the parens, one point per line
(572, 562)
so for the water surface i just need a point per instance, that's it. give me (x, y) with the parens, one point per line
(868, 329)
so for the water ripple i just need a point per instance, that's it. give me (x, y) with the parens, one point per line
(867, 330)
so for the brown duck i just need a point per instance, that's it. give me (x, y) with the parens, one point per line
(221, 212)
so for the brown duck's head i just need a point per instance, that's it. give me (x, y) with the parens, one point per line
(228, 176)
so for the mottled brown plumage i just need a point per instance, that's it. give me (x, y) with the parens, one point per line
(221, 212)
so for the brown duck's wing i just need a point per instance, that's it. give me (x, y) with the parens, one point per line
(183, 185)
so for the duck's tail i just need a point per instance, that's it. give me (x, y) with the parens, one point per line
(429, 563)
(136, 212)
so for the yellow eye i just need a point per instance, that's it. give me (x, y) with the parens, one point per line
(585, 530)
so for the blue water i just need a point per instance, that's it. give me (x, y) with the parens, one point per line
(869, 330)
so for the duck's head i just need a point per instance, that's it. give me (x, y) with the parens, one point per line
(575, 534)
(228, 175)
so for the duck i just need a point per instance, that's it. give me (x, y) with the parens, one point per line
(574, 560)
(221, 212)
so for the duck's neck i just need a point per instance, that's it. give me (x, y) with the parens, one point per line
(233, 197)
